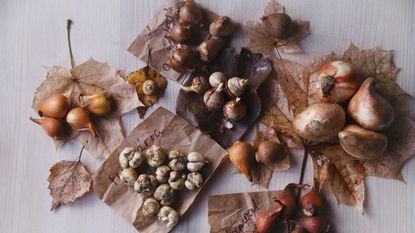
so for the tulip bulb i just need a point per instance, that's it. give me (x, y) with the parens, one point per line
(222, 26)
(191, 13)
(214, 98)
(234, 110)
(236, 86)
(270, 153)
(361, 143)
(316, 224)
(199, 85)
(242, 155)
(311, 202)
(56, 106)
(210, 48)
(52, 127)
(97, 104)
(320, 122)
(217, 78)
(337, 82)
(288, 200)
(370, 109)
(278, 25)
(78, 118)
(180, 33)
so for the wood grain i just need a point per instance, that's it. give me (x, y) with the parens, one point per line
(32, 35)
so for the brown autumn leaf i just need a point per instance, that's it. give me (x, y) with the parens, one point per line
(247, 65)
(91, 77)
(68, 181)
(261, 41)
(263, 174)
(137, 78)
(331, 163)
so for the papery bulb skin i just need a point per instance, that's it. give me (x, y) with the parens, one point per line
(338, 82)
(369, 109)
(320, 122)
(361, 143)
(56, 106)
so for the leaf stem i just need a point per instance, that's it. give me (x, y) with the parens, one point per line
(68, 29)
(304, 164)
(282, 63)
(82, 150)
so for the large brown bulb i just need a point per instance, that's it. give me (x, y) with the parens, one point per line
(370, 109)
(320, 122)
(270, 153)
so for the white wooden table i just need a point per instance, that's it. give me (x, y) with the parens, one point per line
(32, 35)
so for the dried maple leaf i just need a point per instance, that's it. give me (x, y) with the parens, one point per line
(91, 77)
(290, 92)
(138, 78)
(261, 41)
(68, 181)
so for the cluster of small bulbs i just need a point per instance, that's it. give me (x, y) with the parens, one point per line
(56, 112)
(174, 172)
(340, 85)
(216, 89)
(191, 18)
(285, 210)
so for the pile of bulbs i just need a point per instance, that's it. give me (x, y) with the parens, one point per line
(215, 92)
(173, 172)
(191, 18)
(56, 113)
(285, 209)
(340, 85)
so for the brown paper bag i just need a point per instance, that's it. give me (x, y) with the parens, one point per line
(235, 213)
(153, 37)
(170, 131)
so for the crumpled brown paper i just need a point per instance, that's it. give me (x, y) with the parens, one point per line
(170, 131)
(235, 213)
(153, 37)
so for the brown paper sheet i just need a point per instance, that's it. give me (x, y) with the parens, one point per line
(170, 131)
(235, 213)
(153, 37)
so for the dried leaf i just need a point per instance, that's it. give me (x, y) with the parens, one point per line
(260, 41)
(190, 106)
(343, 173)
(68, 181)
(138, 77)
(91, 77)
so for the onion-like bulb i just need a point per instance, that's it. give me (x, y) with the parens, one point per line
(78, 118)
(56, 106)
(52, 127)
(97, 104)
